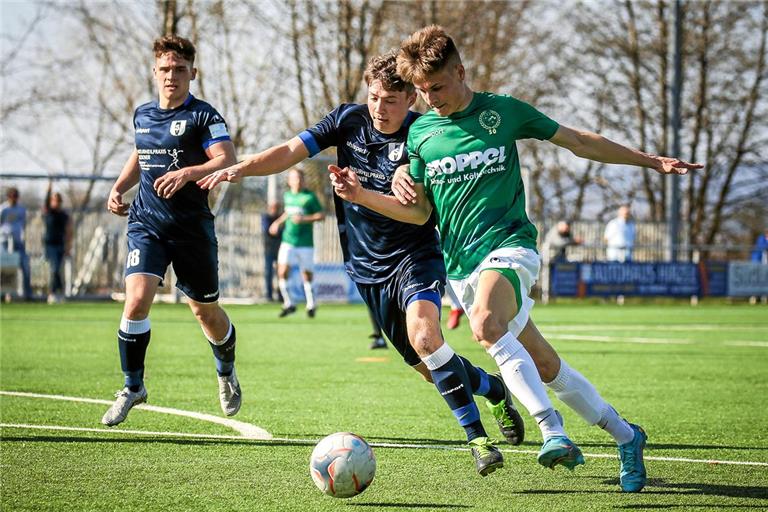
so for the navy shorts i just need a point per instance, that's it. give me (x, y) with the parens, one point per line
(195, 262)
(389, 299)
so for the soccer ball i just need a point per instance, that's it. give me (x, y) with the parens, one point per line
(342, 465)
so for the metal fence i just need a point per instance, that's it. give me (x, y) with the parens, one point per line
(96, 266)
(98, 254)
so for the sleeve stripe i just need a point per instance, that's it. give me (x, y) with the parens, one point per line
(210, 142)
(309, 141)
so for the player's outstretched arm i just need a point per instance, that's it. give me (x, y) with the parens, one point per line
(270, 161)
(348, 187)
(220, 155)
(128, 178)
(596, 147)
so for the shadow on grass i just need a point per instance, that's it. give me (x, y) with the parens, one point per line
(687, 506)
(407, 505)
(658, 486)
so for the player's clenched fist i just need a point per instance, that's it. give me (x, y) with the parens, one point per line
(116, 205)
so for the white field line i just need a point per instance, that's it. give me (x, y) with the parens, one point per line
(309, 442)
(245, 429)
(763, 344)
(640, 327)
(616, 339)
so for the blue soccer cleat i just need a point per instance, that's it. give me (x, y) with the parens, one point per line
(632, 477)
(560, 450)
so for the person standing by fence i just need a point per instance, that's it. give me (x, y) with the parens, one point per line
(620, 236)
(760, 251)
(57, 240)
(271, 247)
(13, 221)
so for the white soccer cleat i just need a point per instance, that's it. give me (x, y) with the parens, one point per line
(229, 393)
(126, 399)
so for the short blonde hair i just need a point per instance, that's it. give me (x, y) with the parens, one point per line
(426, 51)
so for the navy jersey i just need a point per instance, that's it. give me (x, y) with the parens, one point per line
(374, 246)
(168, 140)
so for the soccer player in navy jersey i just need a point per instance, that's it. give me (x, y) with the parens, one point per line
(397, 267)
(179, 139)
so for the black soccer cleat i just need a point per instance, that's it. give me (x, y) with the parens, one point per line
(378, 342)
(287, 311)
(488, 458)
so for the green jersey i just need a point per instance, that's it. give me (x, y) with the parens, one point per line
(469, 166)
(302, 202)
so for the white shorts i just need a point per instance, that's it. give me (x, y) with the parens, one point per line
(524, 262)
(302, 257)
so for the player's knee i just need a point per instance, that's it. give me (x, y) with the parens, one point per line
(487, 326)
(207, 315)
(424, 342)
(136, 310)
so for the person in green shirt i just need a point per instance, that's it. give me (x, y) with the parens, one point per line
(297, 247)
(464, 165)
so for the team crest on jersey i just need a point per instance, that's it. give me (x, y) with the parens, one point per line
(395, 150)
(178, 127)
(490, 120)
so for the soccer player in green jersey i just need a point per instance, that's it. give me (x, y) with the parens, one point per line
(464, 165)
(297, 247)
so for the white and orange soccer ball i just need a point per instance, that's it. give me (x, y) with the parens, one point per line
(342, 465)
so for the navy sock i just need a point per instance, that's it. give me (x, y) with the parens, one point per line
(133, 350)
(224, 354)
(452, 381)
(483, 384)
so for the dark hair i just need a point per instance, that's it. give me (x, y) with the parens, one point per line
(426, 51)
(183, 47)
(384, 68)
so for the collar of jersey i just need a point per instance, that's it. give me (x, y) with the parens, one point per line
(186, 102)
(469, 108)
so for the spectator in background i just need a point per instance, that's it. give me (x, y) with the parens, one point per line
(558, 238)
(271, 248)
(454, 317)
(620, 236)
(13, 221)
(760, 252)
(377, 340)
(57, 240)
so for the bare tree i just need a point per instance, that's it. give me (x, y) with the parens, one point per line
(724, 96)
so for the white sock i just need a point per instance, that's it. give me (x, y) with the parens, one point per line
(223, 340)
(550, 423)
(522, 378)
(308, 294)
(439, 357)
(134, 326)
(283, 285)
(580, 395)
(615, 425)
